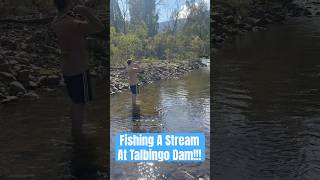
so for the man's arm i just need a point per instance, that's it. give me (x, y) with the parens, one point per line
(136, 67)
(93, 25)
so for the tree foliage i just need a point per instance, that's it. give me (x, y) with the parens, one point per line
(144, 11)
(189, 42)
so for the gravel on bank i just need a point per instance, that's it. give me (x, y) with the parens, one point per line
(151, 72)
(227, 23)
(30, 63)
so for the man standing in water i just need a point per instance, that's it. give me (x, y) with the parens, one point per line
(71, 27)
(133, 69)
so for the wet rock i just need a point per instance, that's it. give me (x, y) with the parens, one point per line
(230, 19)
(31, 95)
(8, 53)
(6, 77)
(9, 99)
(43, 80)
(5, 67)
(24, 76)
(307, 12)
(20, 94)
(93, 73)
(15, 87)
(263, 21)
(32, 85)
(3, 89)
(17, 68)
(48, 89)
(2, 96)
(13, 62)
(53, 80)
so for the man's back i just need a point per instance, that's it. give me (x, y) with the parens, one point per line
(71, 38)
(132, 73)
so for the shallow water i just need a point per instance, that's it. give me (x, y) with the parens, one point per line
(167, 106)
(36, 143)
(266, 110)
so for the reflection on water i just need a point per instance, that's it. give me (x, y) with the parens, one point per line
(82, 164)
(36, 142)
(169, 106)
(266, 104)
(136, 114)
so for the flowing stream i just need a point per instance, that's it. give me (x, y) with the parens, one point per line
(266, 110)
(178, 105)
(36, 143)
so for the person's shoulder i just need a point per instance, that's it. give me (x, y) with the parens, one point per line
(130, 69)
(60, 21)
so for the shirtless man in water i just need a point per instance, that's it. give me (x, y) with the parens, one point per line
(133, 69)
(71, 27)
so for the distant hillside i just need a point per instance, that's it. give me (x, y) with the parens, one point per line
(164, 25)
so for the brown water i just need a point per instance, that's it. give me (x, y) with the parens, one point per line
(168, 106)
(266, 110)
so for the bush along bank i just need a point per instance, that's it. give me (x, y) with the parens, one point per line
(30, 60)
(151, 72)
(227, 21)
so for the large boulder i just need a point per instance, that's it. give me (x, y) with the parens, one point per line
(53, 80)
(24, 76)
(16, 87)
(43, 80)
(32, 85)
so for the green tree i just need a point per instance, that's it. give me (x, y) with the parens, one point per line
(144, 11)
(116, 18)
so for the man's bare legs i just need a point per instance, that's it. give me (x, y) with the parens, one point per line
(77, 117)
(134, 98)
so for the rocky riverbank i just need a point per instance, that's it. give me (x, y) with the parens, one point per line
(29, 60)
(228, 21)
(29, 63)
(151, 72)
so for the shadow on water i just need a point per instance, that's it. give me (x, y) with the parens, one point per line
(136, 113)
(82, 165)
(36, 141)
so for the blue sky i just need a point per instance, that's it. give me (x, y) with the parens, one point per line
(167, 6)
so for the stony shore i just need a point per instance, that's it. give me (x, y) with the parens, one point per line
(29, 60)
(151, 72)
(29, 55)
(29, 63)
